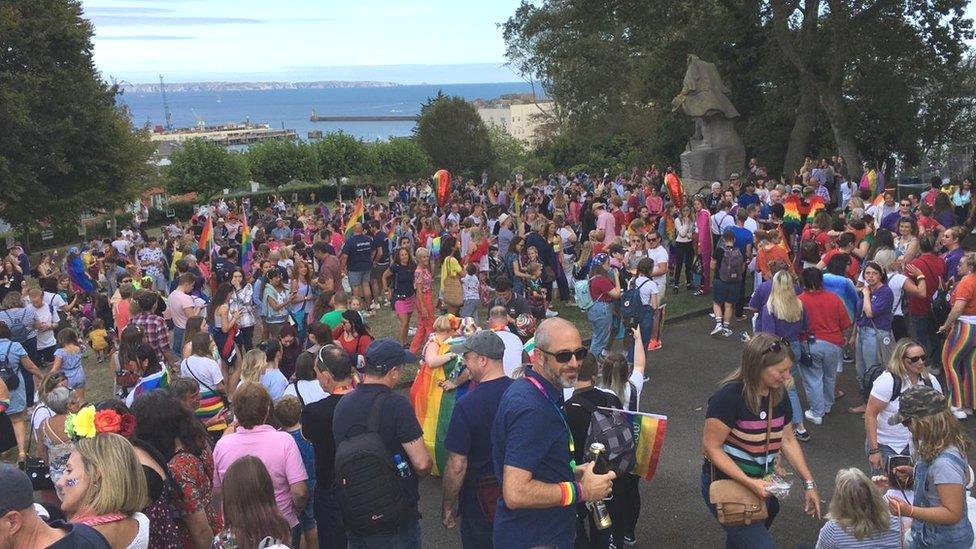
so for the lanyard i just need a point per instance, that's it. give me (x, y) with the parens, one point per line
(559, 412)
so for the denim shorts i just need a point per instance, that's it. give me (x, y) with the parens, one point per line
(724, 292)
(356, 278)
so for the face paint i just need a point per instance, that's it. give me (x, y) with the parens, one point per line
(71, 482)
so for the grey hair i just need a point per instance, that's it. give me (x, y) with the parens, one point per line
(58, 399)
(543, 334)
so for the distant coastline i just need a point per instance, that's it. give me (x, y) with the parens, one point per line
(178, 87)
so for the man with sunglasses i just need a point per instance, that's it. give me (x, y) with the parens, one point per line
(533, 447)
(890, 221)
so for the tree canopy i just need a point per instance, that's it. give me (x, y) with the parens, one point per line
(452, 133)
(66, 148)
(275, 163)
(873, 79)
(205, 168)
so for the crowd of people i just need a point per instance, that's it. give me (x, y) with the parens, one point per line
(254, 404)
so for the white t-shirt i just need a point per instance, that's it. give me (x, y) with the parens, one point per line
(204, 370)
(896, 281)
(637, 381)
(720, 221)
(659, 255)
(46, 315)
(310, 389)
(647, 288)
(40, 413)
(895, 436)
(513, 351)
(471, 285)
(751, 224)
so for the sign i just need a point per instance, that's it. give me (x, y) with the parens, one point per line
(294, 197)
(170, 213)
(82, 229)
(47, 234)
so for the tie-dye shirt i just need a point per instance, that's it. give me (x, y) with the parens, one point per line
(746, 443)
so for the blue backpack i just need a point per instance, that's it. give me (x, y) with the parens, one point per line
(631, 306)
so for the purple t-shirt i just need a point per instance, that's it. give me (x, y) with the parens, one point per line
(790, 331)
(952, 259)
(882, 300)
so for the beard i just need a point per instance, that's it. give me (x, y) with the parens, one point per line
(562, 376)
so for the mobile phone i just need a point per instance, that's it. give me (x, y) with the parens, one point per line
(898, 461)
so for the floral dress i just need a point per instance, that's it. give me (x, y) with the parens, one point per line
(192, 477)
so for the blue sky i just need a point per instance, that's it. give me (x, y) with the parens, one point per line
(434, 41)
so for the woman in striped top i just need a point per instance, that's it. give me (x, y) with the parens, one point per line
(750, 401)
(858, 517)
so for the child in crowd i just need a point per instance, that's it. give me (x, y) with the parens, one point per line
(68, 359)
(356, 304)
(288, 412)
(470, 284)
(98, 339)
(534, 293)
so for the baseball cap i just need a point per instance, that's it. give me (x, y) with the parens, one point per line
(483, 342)
(384, 354)
(918, 402)
(16, 491)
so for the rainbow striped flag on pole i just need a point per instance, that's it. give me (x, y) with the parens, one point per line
(649, 431)
(355, 216)
(206, 237)
(434, 406)
(247, 247)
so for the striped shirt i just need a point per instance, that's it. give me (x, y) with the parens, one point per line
(746, 443)
(834, 536)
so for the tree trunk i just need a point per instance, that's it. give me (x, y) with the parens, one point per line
(833, 105)
(806, 113)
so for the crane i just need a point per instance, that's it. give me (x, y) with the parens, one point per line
(169, 114)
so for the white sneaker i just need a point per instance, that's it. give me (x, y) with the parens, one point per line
(813, 418)
(727, 332)
(716, 330)
(550, 313)
(374, 306)
(411, 331)
(958, 413)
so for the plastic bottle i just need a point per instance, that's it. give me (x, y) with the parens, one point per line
(401, 466)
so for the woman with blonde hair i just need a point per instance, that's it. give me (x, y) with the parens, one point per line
(941, 473)
(104, 487)
(751, 403)
(253, 366)
(783, 315)
(858, 515)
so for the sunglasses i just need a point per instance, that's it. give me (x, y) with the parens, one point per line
(563, 357)
(915, 359)
(778, 346)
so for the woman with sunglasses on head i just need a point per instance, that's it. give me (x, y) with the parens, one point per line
(873, 322)
(751, 405)
(904, 370)
(940, 475)
(604, 291)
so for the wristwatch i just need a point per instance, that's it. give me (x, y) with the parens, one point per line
(809, 485)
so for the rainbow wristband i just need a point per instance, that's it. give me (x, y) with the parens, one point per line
(4, 404)
(569, 493)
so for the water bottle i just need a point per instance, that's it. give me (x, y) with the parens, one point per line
(601, 466)
(401, 466)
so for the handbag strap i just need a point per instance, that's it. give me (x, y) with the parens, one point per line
(769, 428)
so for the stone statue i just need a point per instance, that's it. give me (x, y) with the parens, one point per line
(715, 150)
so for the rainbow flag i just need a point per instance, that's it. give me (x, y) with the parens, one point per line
(355, 216)
(435, 248)
(159, 380)
(247, 247)
(210, 405)
(649, 431)
(434, 406)
(816, 205)
(206, 237)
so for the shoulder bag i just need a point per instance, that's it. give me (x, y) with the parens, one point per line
(223, 396)
(453, 294)
(735, 504)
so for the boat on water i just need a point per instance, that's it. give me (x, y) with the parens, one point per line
(243, 133)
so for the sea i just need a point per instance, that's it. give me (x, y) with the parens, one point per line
(292, 109)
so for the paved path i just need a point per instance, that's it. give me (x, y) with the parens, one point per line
(682, 376)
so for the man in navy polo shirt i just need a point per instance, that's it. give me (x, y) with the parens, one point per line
(356, 261)
(468, 441)
(531, 441)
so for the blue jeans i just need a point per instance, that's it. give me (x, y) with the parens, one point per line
(600, 315)
(791, 392)
(754, 536)
(820, 376)
(866, 349)
(177, 340)
(328, 517)
(406, 537)
(923, 332)
(475, 532)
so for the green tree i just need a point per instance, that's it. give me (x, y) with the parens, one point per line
(509, 152)
(206, 168)
(66, 147)
(454, 136)
(275, 163)
(339, 154)
(401, 157)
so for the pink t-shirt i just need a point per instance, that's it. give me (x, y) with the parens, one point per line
(176, 305)
(278, 452)
(607, 223)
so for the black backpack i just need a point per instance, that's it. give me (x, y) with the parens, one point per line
(8, 371)
(368, 487)
(614, 431)
(631, 305)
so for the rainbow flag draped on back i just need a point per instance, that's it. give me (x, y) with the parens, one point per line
(247, 247)
(816, 206)
(435, 248)
(434, 406)
(791, 212)
(210, 405)
(649, 431)
(355, 216)
(159, 380)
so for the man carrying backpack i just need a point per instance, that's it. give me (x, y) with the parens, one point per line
(469, 478)
(728, 263)
(380, 453)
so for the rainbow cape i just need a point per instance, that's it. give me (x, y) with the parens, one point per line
(247, 247)
(159, 380)
(442, 186)
(649, 431)
(79, 278)
(791, 211)
(355, 216)
(816, 205)
(675, 190)
(434, 406)
(435, 248)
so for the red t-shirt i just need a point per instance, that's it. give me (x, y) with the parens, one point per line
(354, 347)
(934, 269)
(853, 267)
(620, 220)
(826, 315)
(600, 287)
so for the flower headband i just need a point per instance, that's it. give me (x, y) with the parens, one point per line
(87, 423)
